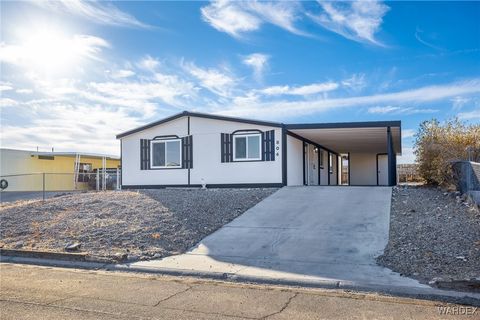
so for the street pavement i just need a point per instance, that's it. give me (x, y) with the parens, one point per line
(34, 292)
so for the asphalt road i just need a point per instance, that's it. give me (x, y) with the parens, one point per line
(32, 292)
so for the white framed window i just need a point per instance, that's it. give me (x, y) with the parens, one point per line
(247, 147)
(166, 153)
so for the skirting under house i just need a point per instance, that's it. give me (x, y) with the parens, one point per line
(195, 149)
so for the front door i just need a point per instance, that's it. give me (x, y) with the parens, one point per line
(311, 165)
(382, 170)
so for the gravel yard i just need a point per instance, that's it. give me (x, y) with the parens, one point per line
(434, 236)
(142, 225)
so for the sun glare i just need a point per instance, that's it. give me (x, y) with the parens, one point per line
(51, 51)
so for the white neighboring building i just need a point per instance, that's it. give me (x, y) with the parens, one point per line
(192, 149)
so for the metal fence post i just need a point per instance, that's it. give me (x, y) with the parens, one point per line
(118, 179)
(98, 179)
(43, 183)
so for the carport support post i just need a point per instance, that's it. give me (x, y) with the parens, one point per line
(339, 170)
(391, 159)
(328, 167)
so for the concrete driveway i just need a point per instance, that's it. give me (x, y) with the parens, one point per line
(313, 234)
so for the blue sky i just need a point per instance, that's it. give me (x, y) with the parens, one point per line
(76, 73)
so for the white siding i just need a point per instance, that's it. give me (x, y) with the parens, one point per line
(363, 169)
(294, 161)
(132, 175)
(207, 163)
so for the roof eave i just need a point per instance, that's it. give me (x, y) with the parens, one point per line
(198, 115)
(345, 125)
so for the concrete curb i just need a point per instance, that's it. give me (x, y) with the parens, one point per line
(446, 296)
(68, 256)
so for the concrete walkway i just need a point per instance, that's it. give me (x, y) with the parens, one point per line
(31, 292)
(323, 235)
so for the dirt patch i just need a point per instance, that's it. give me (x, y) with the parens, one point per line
(434, 236)
(142, 225)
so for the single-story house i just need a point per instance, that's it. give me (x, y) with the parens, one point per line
(195, 149)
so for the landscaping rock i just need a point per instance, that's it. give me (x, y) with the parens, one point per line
(148, 224)
(73, 246)
(438, 241)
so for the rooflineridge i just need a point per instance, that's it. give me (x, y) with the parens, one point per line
(199, 115)
(73, 154)
(368, 124)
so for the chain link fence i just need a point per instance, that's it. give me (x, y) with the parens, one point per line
(60, 182)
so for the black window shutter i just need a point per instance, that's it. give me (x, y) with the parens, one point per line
(144, 154)
(226, 145)
(187, 152)
(269, 145)
(264, 146)
(230, 147)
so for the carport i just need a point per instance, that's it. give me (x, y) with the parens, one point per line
(352, 153)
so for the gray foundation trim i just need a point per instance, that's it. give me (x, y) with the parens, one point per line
(221, 185)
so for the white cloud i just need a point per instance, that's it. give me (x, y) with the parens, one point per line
(458, 102)
(418, 32)
(305, 90)
(408, 133)
(258, 62)
(383, 110)
(7, 102)
(230, 17)
(50, 51)
(239, 17)
(356, 20)
(5, 86)
(285, 108)
(217, 81)
(356, 82)
(87, 128)
(283, 14)
(24, 91)
(122, 73)
(407, 156)
(471, 115)
(102, 13)
(148, 63)
(399, 110)
(141, 96)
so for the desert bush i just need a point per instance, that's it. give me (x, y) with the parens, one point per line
(437, 145)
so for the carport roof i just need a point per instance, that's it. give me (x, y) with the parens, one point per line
(367, 137)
